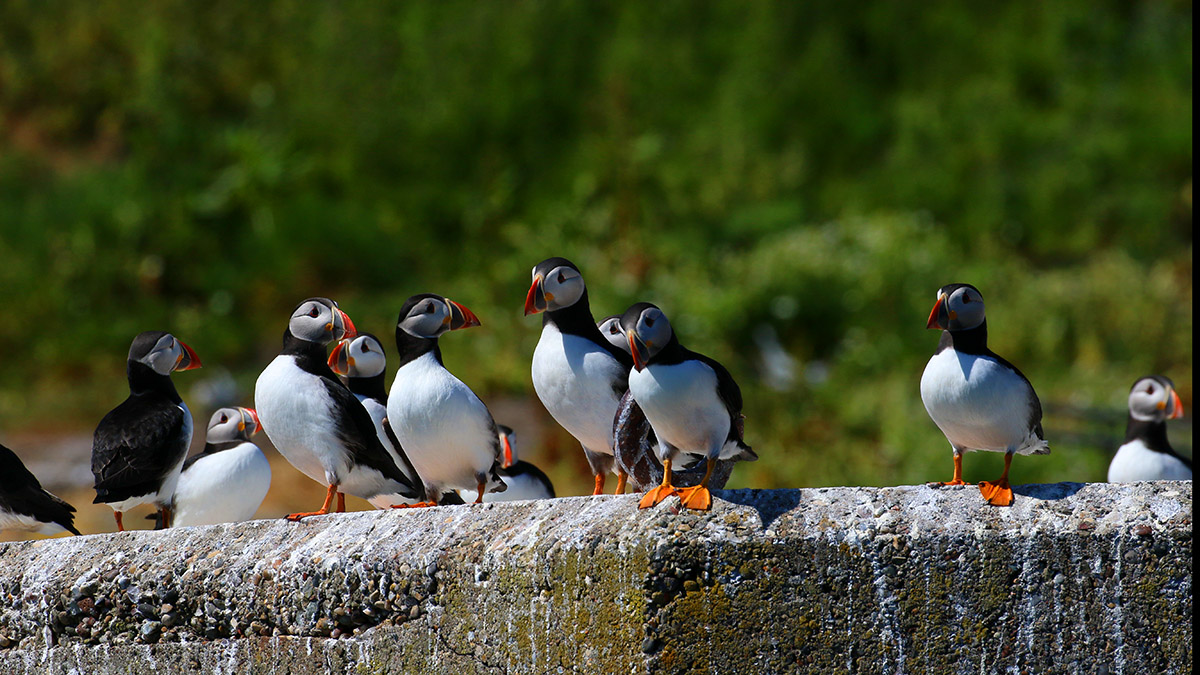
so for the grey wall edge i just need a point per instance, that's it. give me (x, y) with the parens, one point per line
(1074, 578)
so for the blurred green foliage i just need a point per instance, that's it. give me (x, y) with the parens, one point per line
(811, 171)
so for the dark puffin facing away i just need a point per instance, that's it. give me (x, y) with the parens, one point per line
(578, 374)
(139, 447)
(978, 400)
(446, 430)
(362, 361)
(1146, 454)
(524, 480)
(226, 482)
(691, 401)
(315, 422)
(24, 505)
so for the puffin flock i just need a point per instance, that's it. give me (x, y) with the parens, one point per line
(666, 420)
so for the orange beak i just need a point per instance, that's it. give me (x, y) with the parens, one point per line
(508, 458)
(188, 359)
(254, 419)
(348, 330)
(1176, 406)
(934, 318)
(535, 300)
(638, 361)
(461, 317)
(339, 358)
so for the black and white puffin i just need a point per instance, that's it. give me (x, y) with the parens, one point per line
(634, 442)
(446, 430)
(978, 400)
(578, 374)
(139, 447)
(1146, 454)
(227, 481)
(24, 505)
(314, 420)
(362, 361)
(691, 401)
(524, 480)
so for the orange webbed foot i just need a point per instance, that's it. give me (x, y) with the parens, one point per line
(996, 494)
(296, 517)
(697, 497)
(957, 481)
(656, 495)
(418, 505)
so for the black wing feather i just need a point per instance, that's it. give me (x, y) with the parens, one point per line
(20, 492)
(135, 446)
(357, 433)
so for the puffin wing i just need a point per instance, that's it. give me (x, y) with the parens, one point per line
(20, 492)
(357, 432)
(1035, 404)
(132, 451)
(731, 395)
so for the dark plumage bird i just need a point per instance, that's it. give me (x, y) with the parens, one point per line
(691, 401)
(315, 421)
(362, 361)
(24, 505)
(139, 447)
(577, 373)
(978, 400)
(1146, 454)
(446, 430)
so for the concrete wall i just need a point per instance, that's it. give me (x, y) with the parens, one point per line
(1072, 579)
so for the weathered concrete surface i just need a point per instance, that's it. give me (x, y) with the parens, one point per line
(1072, 579)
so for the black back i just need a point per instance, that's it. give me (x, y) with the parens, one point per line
(21, 493)
(352, 422)
(212, 449)
(137, 443)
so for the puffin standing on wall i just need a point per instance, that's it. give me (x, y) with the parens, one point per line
(139, 447)
(314, 420)
(691, 401)
(1146, 453)
(577, 373)
(362, 361)
(24, 505)
(446, 430)
(978, 400)
(227, 481)
(524, 480)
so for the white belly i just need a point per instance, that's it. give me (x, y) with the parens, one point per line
(520, 488)
(682, 406)
(296, 414)
(224, 487)
(979, 404)
(573, 378)
(1134, 462)
(444, 428)
(24, 523)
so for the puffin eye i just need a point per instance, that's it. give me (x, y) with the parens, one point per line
(649, 321)
(429, 308)
(224, 419)
(966, 298)
(1149, 389)
(313, 312)
(561, 277)
(366, 348)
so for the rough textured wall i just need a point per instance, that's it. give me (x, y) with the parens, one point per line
(1072, 579)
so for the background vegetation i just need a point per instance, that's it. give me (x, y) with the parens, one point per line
(787, 180)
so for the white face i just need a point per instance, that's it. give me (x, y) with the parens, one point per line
(562, 287)
(653, 331)
(230, 424)
(610, 328)
(316, 321)
(365, 357)
(1152, 400)
(964, 307)
(166, 354)
(429, 318)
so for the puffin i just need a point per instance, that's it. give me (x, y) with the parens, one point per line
(227, 481)
(979, 400)
(633, 437)
(315, 421)
(1146, 454)
(362, 361)
(578, 374)
(24, 505)
(139, 447)
(524, 480)
(691, 401)
(448, 433)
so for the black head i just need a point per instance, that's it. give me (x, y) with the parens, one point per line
(429, 316)
(232, 424)
(647, 331)
(959, 307)
(319, 320)
(362, 356)
(1153, 399)
(162, 352)
(557, 284)
(610, 328)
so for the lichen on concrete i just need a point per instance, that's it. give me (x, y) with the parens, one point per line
(1072, 579)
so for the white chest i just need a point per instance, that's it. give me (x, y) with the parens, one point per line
(1134, 462)
(682, 405)
(224, 487)
(297, 415)
(977, 402)
(574, 379)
